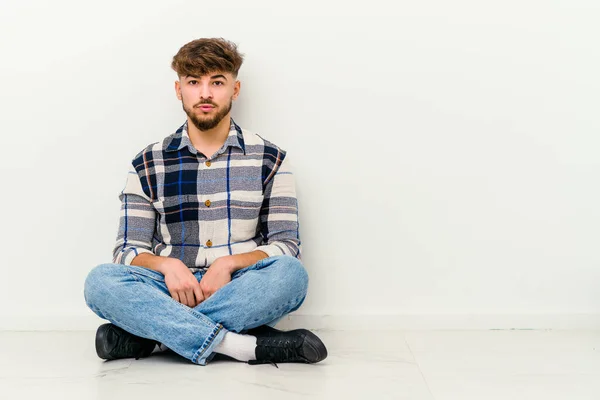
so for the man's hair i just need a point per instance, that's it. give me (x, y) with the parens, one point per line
(203, 56)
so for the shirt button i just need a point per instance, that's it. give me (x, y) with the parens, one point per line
(209, 244)
(207, 163)
(207, 203)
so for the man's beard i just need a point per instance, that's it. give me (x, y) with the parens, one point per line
(206, 124)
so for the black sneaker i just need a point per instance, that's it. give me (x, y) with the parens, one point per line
(297, 346)
(113, 343)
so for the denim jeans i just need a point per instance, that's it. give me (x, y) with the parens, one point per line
(137, 300)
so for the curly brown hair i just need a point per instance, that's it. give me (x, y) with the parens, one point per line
(203, 56)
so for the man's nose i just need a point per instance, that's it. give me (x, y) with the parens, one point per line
(205, 92)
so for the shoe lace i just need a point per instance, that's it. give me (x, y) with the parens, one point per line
(281, 349)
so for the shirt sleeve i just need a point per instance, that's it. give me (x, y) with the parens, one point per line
(279, 225)
(137, 222)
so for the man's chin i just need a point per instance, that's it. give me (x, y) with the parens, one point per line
(205, 124)
(205, 121)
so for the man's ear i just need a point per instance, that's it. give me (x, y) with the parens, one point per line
(178, 90)
(236, 90)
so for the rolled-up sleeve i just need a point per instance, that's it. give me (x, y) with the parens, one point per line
(279, 225)
(137, 222)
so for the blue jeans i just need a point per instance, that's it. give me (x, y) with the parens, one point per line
(138, 300)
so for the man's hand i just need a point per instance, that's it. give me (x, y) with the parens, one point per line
(181, 282)
(217, 276)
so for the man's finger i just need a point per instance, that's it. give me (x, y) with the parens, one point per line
(175, 296)
(190, 297)
(186, 297)
(206, 292)
(199, 294)
(183, 297)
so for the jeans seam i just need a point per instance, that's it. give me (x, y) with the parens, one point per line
(200, 352)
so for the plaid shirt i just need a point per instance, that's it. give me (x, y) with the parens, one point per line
(178, 203)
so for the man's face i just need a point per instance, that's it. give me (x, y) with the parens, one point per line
(207, 99)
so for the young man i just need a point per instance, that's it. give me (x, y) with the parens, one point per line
(207, 257)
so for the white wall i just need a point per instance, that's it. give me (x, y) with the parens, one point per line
(446, 153)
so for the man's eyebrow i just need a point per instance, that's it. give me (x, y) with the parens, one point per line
(212, 77)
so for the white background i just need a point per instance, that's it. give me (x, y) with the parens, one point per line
(446, 153)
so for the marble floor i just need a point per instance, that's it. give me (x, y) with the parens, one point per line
(440, 365)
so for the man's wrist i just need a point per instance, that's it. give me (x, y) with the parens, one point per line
(229, 263)
(240, 261)
(150, 261)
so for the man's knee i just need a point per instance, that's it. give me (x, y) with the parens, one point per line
(98, 281)
(290, 275)
(277, 289)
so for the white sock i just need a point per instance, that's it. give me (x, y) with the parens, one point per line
(240, 347)
(160, 348)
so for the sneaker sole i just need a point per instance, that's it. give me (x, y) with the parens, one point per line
(313, 348)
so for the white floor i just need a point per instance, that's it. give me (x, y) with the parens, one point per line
(440, 365)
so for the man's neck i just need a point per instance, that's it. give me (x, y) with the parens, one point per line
(211, 140)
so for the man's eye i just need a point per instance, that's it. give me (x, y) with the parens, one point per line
(219, 82)
(193, 82)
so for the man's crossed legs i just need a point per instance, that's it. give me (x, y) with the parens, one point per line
(137, 300)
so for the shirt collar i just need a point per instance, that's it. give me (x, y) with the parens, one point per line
(181, 139)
